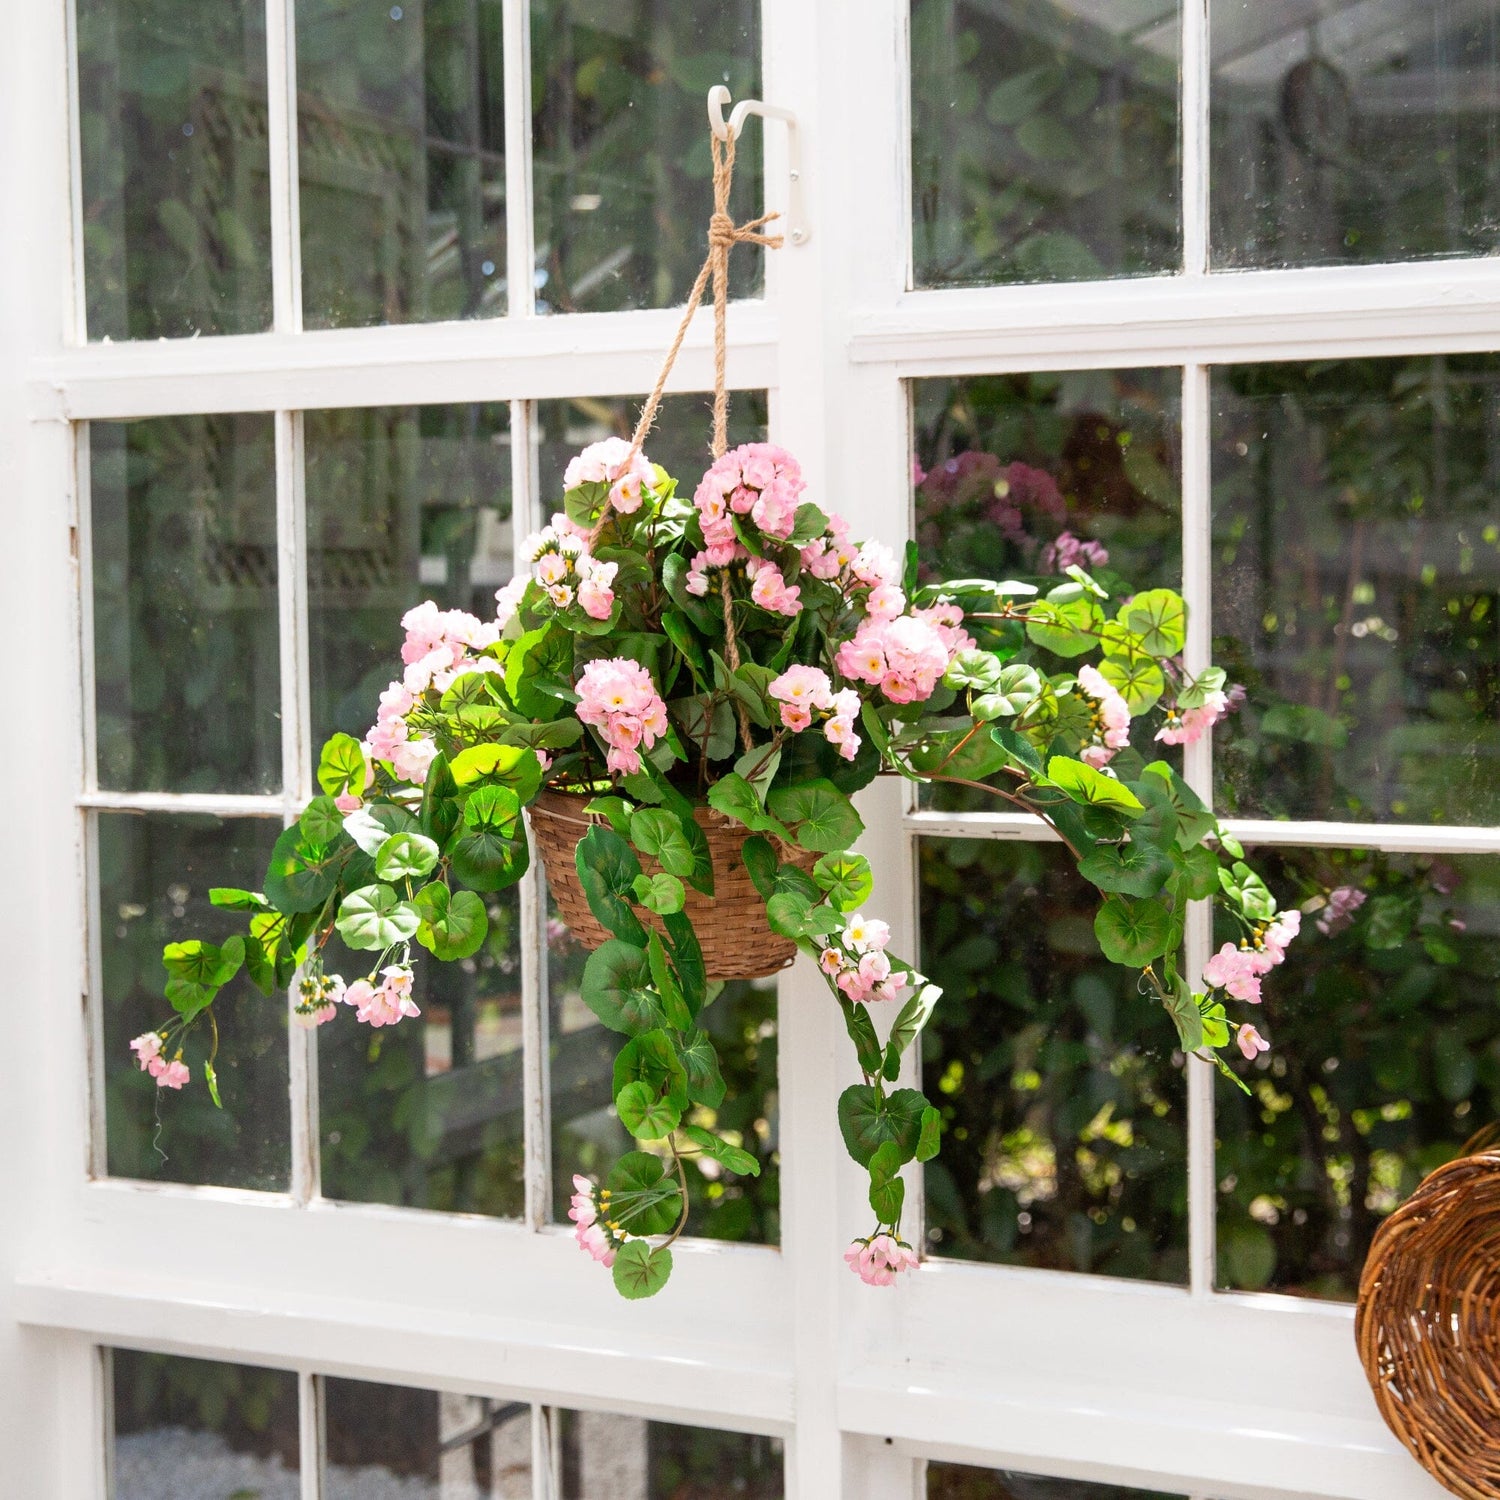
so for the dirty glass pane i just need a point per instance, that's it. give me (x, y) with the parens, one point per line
(401, 160)
(1356, 535)
(1062, 1096)
(588, 1138)
(1017, 476)
(629, 1458)
(1346, 133)
(198, 1428)
(176, 172)
(1385, 1059)
(621, 168)
(429, 1113)
(404, 503)
(183, 536)
(155, 872)
(961, 1482)
(1044, 140)
(385, 1442)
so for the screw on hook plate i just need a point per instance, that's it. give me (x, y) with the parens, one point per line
(718, 96)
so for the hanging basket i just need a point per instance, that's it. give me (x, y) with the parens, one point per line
(731, 924)
(1428, 1324)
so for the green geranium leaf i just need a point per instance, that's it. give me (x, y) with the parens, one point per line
(731, 1158)
(375, 918)
(640, 1271)
(931, 1134)
(341, 766)
(405, 856)
(733, 796)
(441, 810)
(453, 926)
(300, 877)
(820, 816)
(321, 822)
(489, 850)
(705, 1083)
(887, 1199)
(644, 1199)
(233, 899)
(1019, 687)
(1198, 874)
(1135, 869)
(908, 1025)
(861, 1031)
(372, 825)
(512, 766)
(1067, 622)
(1132, 932)
(845, 879)
(188, 998)
(1195, 693)
(658, 834)
(658, 893)
(1089, 787)
(646, 1115)
(1194, 821)
(1016, 749)
(615, 809)
(1182, 1006)
(1137, 679)
(869, 1119)
(607, 868)
(673, 1002)
(617, 987)
(761, 864)
(974, 669)
(203, 963)
(1158, 618)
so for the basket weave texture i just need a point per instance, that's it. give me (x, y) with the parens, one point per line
(731, 924)
(1428, 1324)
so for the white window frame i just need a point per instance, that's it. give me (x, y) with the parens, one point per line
(1242, 1397)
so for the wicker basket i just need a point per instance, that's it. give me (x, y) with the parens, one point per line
(1428, 1324)
(731, 925)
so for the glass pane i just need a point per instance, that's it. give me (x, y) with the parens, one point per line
(155, 872)
(197, 1428)
(588, 1138)
(183, 520)
(1385, 1059)
(176, 172)
(429, 1113)
(1356, 536)
(401, 160)
(623, 178)
(1044, 140)
(960, 1482)
(384, 1442)
(1017, 476)
(1348, 133)
(628, 1458)
(404, 503)
(1062, 1097)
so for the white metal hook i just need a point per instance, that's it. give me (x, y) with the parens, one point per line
(718, 97)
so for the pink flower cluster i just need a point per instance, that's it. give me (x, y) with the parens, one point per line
(878, 1260)
(856, 962)
(568, 573)
(802, 691)
(618, 697)
(905, 657)
(149, 1059)
(611, 462)
(770, 590)
(829, 555)
(593, 1234)
(1187, 726)
(1069, 551)
(386, 1003)
(758, 480)
(1343, 902)
(1110, 725)
(1238, 969)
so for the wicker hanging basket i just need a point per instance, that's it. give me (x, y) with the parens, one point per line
(731, 925)
(1428, 1324)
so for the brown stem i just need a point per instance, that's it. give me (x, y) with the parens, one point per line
(683, 1188)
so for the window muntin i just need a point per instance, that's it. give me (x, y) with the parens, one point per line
(1044, 141)
(175, 168)
(1353, 133)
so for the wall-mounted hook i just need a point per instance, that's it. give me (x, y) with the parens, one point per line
(718, 97)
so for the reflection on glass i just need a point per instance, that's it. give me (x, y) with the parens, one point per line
(154, 876)
(678, 441)
(183, 535)
(620, 156)
(1385, 1059)
(1044, 140)
(1019, 476)
(401, 161)
(384, 1442)
(588, 1138)
(1356, 534)
(1062, 1098)
(960, 1482)
(628, 1458)
(176, 173)
(1354, 132)
(429, 1114)
(404, 503)
(195, 1427)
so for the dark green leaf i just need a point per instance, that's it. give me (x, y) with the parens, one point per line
(639, 1271)
(820, 816)
(607, 868)
(1132, 932)
(453, 927)
(645, 1199)
(617, 987)
(731, 1158)
(374, 918)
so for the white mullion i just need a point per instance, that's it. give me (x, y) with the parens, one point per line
(92, 975)
(75, 322)
(309, 1436)
(535, 1018)
(83, 532)
(520, 295)
(281, 140)
(1197, 565)
(1194, 127)
(544, 1455)
(218, 804)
